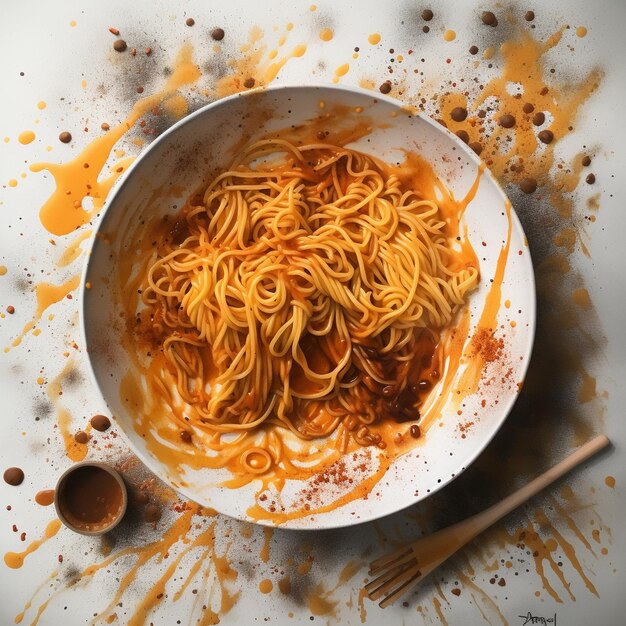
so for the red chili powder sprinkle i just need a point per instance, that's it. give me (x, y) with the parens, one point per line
(487, 346)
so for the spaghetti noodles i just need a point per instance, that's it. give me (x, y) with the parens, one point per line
(305, 288)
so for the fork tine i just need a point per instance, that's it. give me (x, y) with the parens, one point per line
(385, 561)
(393, 581)
(392, 597)
(388, 574)
(403, 559)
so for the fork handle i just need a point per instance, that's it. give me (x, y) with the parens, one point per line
(479, 522)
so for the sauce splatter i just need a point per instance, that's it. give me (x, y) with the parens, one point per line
(326, 34)
(47, 295)
(28, 136)
(15, 560)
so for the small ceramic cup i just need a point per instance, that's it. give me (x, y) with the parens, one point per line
(90, 498)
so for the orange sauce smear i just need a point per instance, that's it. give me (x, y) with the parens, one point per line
(15, 560)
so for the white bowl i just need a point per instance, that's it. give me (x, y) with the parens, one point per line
(179, 160)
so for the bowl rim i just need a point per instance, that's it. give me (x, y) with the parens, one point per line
(531, 307)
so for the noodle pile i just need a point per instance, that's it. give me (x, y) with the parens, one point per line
(298, 290)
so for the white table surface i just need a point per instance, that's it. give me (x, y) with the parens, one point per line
(84, 83)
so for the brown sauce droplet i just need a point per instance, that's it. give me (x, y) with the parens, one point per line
(459, 114)
(119, 45)
(100, 422)
(190, 21)
(489, 18)
(385, 87)
(528, 107)
(218, 34)
(249, 83)
(65, 137)
(528, 185)
(476, 147)
(81, 437)
(586, 161)
(539, 118)
(45, 497)
(456, 591)
(462, 135)
(152, 514)
(415, 431)
(530, 16)
(507, 121)
(427, 15)
(185, 436)
(13, 476)
(473, 50)
(425, 29)
(591, 178)
(546, 136)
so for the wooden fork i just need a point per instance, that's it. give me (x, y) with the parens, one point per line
(399, 571)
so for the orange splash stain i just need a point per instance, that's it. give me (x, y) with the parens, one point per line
(15, 560)
(79, 179)
(326, 34)
(268, 532)
(319, 602)
(26, 137)
(74, 450)
(342, 70)
(581, 298)
(73, 249)
(47, 295)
